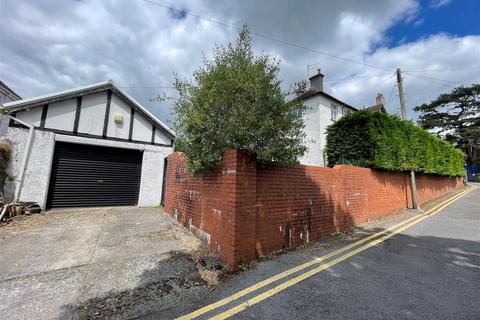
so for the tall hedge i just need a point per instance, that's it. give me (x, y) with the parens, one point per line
(377, 140)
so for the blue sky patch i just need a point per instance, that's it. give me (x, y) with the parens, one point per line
(178, 14)
(456, 18)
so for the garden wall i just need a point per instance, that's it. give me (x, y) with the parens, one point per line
(245, 210)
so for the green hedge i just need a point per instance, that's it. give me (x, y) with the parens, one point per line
(381, 141)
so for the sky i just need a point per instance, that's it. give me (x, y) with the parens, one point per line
(48, 45)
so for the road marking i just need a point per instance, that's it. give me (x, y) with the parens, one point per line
(291, 282)
(293, 270)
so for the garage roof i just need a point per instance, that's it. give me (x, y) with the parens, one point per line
(15, 106)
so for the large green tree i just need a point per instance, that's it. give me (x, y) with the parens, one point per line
(235, 102)
(455, 116)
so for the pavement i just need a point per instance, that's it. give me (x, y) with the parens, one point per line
(426, 269)
(84, 263)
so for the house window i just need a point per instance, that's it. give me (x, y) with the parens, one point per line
(334, 112)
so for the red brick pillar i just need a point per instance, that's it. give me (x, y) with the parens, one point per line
(239, 177)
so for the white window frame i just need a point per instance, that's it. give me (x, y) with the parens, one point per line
(334, 112)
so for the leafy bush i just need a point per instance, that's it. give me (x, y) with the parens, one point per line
(381, 141)
(236, 102)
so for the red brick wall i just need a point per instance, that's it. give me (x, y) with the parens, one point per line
(218, 206)
(250, 210)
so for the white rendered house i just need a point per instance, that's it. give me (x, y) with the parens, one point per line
(322, 110)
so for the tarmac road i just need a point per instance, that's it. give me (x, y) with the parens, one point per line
(427, 268)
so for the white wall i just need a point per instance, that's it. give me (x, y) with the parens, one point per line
(4, 120)
(32, 116)
(142, 128)
(37, 170)
(152, 176)
(311, 118)
(92, 113)
(161, 137)
(317, 118)
(119, 130)
(61, 115)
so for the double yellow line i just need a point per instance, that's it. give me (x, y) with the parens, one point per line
(376, 239)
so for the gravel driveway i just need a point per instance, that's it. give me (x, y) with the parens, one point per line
(95, 263)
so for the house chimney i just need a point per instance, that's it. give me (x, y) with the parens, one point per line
(316, 81)
(380, 100)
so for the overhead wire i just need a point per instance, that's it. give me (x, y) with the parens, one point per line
(262, 35)
(440, 70)
(437, 81)
(391, 94)
(357, 77)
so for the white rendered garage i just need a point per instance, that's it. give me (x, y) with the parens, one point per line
(90, 146)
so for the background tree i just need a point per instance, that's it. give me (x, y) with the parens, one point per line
(455, 116)
(236, 102)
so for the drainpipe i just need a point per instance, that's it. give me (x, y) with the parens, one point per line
(26, 153)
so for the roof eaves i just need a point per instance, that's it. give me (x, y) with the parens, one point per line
(9, 90)
(60, 95)
(310, 93)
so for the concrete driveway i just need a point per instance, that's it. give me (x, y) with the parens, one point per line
(52, 264)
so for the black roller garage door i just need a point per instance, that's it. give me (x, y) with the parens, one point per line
(92, 176)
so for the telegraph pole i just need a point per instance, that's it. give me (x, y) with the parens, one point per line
(413, 187)
(403, 112)
(403, 115)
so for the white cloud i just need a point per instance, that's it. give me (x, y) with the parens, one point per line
(50, 45)
(439, 3)
(453, 61)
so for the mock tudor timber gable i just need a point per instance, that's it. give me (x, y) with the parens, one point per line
(90, 111)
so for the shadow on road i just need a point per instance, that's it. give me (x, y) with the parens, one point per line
(428, 275)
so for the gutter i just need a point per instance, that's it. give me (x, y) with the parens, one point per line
(25, 157)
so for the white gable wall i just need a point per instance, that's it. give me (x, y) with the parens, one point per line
(317, 118)
(122, 129)
(311, 118)
(92, 113)
(61, 115)
(142, 128)
(161, 137)
(32, 116)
